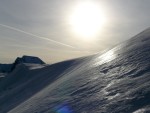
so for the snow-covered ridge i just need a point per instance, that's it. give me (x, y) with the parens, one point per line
(116, 82)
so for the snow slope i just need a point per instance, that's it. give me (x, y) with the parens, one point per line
(5, 68)
(117, 81)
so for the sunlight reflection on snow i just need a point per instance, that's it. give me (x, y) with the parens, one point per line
(108, 56)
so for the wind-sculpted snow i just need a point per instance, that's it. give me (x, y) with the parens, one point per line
(115, 82)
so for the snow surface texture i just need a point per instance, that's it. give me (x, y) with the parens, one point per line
(115, 82)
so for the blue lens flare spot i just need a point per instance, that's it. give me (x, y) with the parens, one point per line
(64, 109)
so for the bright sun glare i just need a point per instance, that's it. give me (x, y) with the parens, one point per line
(87, 19)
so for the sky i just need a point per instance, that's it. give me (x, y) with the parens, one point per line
(42, 27)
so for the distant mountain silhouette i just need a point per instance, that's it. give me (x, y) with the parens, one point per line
(6, 68)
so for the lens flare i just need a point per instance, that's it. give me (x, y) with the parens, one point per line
(63, 108)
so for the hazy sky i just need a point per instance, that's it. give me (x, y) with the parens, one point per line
(41, 28)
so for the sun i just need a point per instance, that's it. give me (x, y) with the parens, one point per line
(87, 19)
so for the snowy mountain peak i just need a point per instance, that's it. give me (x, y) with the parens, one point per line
(6, 68)
(29, 59)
